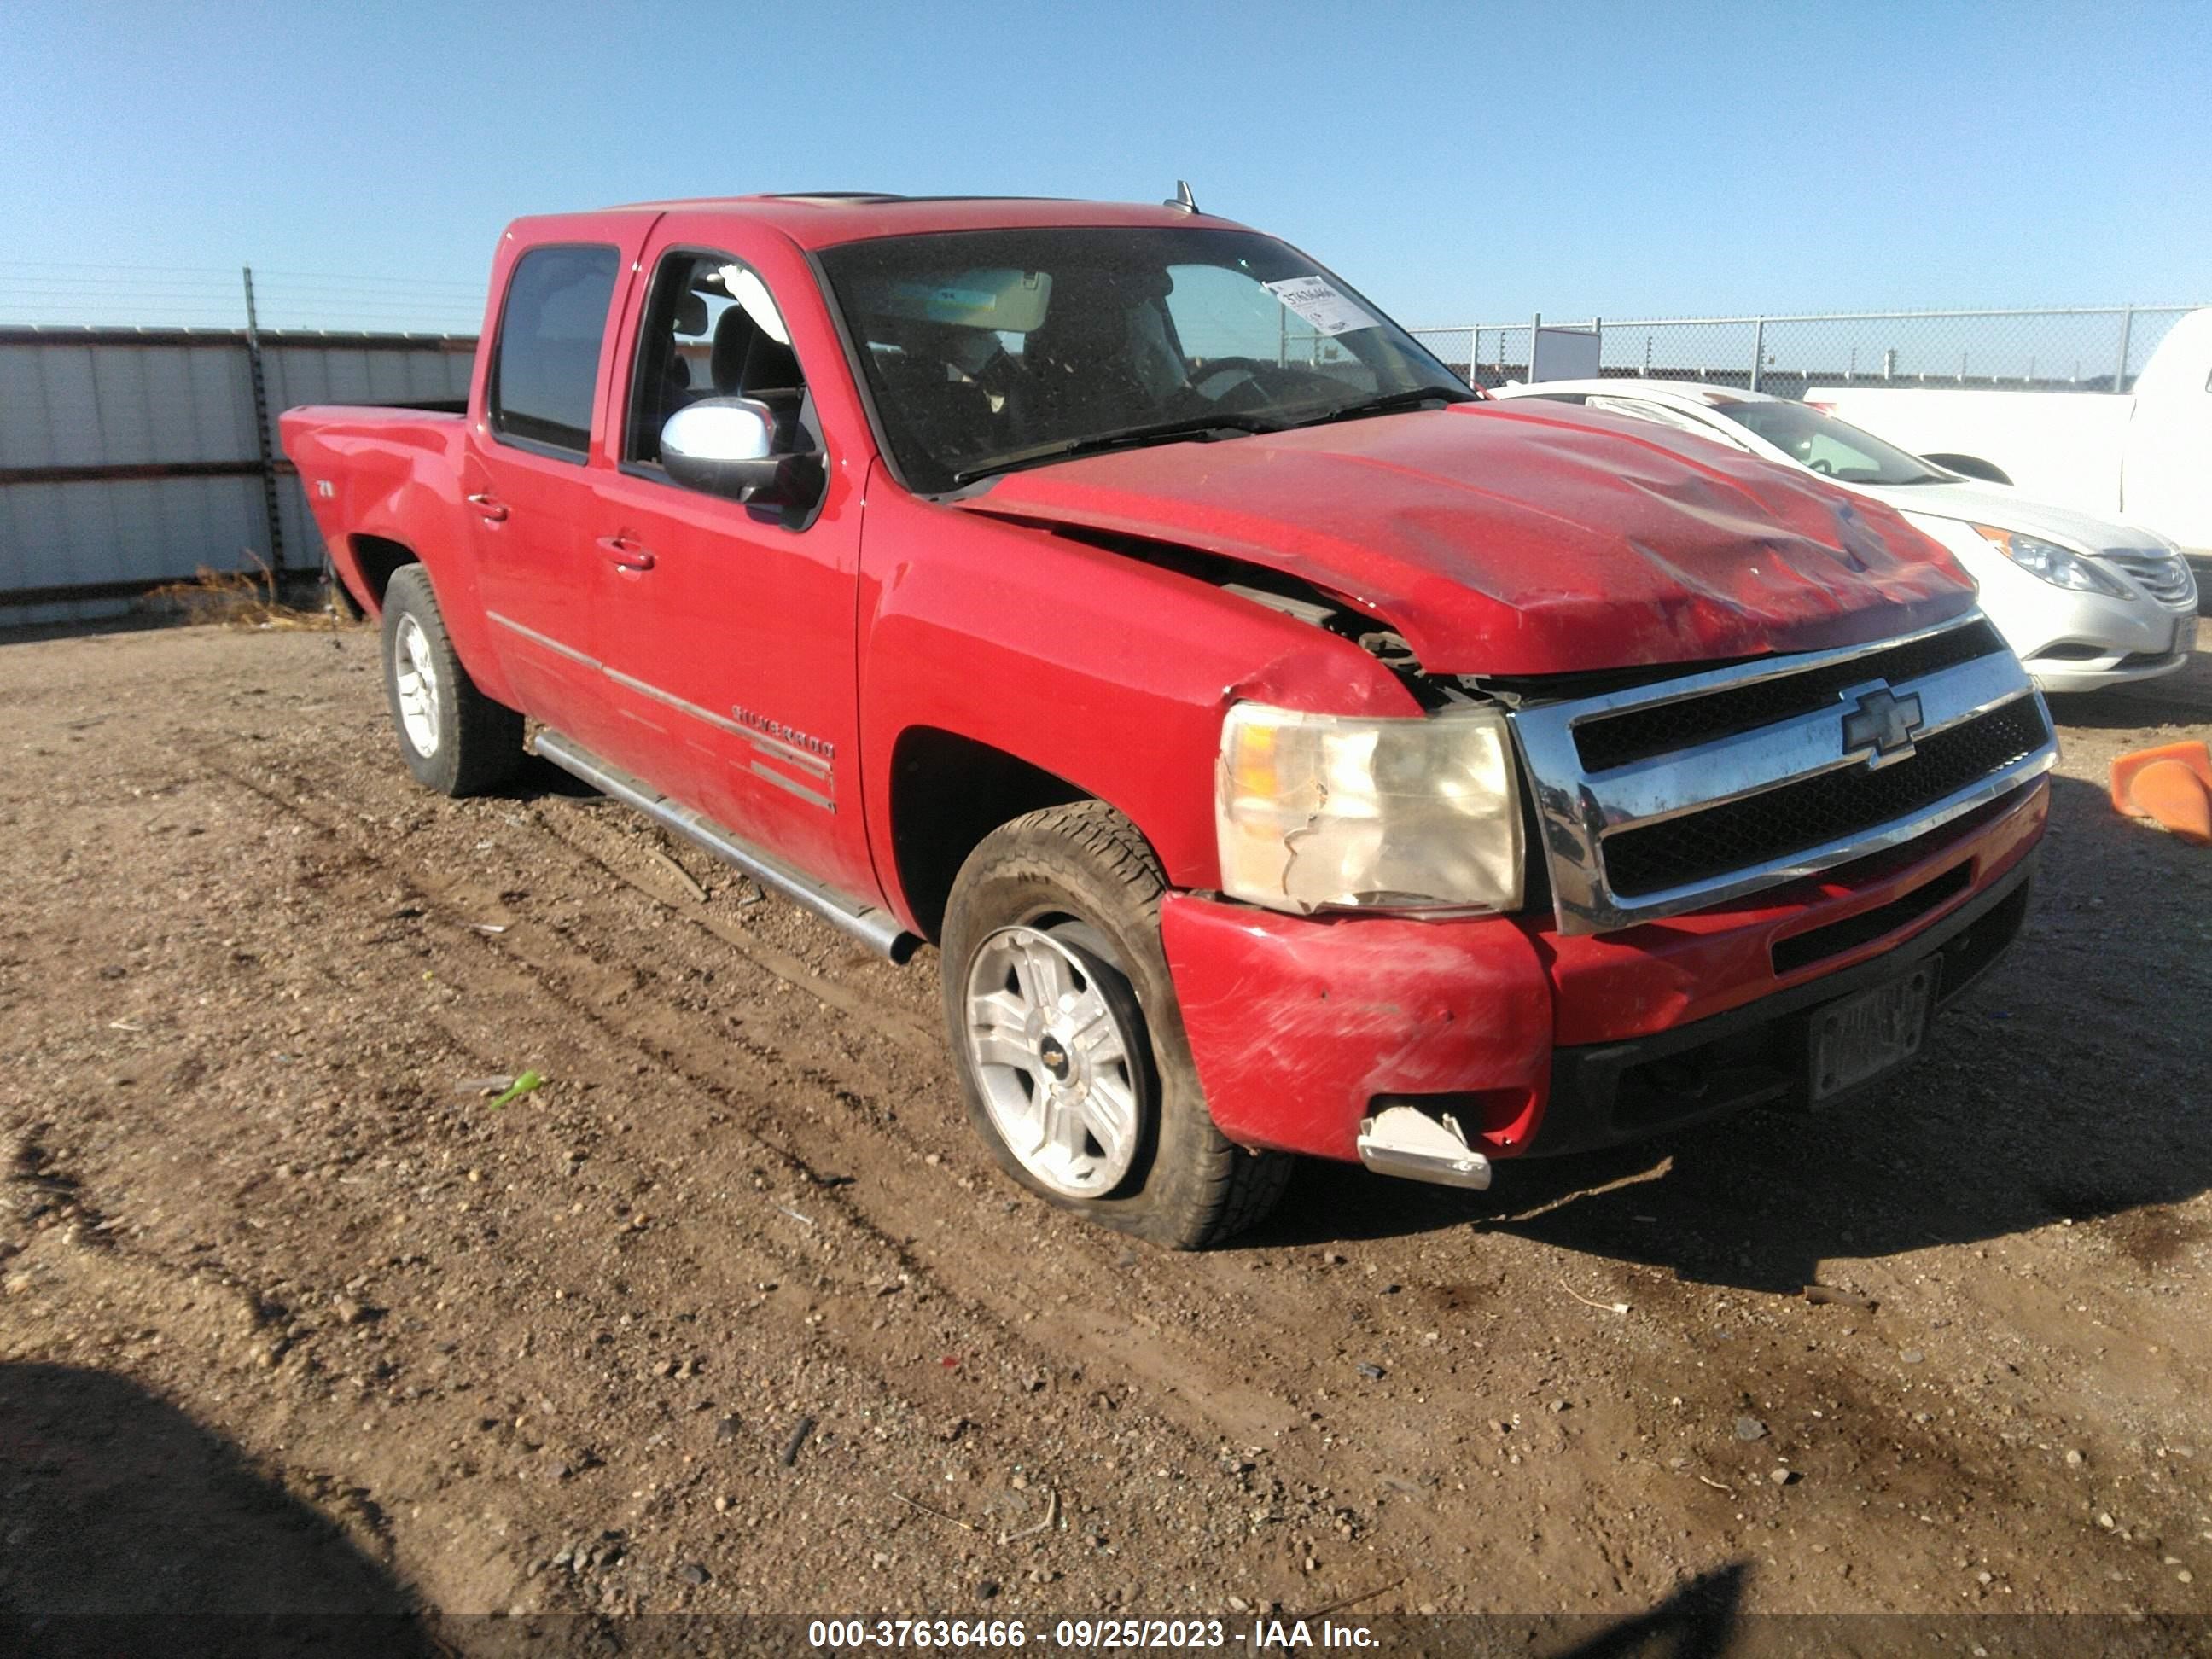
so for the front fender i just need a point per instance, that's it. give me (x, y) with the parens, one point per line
(1095, 666)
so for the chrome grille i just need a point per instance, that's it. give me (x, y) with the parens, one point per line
(1661, 728)
(1777, 823)
(1674, 795)
(2165, 576)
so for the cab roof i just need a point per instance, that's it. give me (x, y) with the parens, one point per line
(817, 219)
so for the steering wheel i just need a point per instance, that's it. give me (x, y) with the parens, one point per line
(1222, 378)
(1823, 468)
(1243, 369)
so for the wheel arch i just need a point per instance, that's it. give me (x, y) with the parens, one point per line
(1969, 466)
(948, 792)
(371, 559)
(376, 560)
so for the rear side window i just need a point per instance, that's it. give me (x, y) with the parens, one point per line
(550, 333)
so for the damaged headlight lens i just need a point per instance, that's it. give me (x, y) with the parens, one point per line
(1325, 811)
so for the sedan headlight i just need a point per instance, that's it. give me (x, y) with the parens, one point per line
(1327, 810)
(2062, 567)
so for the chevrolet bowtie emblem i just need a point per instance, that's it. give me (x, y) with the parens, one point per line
(1883, 724)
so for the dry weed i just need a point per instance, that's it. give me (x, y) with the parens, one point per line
(237, 599)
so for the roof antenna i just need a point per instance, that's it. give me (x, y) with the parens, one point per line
(1182, 199)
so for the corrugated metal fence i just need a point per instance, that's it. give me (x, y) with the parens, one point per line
(130, 457)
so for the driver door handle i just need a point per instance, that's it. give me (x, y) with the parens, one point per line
(494, 510)
(626, 553)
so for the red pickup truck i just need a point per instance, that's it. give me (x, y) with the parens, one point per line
(1286, 749)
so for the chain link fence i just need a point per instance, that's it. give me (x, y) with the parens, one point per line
(2065, 349)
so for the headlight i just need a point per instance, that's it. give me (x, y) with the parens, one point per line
(1322, 810)
(2061, 567)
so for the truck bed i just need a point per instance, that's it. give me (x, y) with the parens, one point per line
(389, 468)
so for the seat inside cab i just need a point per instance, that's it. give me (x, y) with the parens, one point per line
(704, 337)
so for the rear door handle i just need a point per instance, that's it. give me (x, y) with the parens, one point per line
(494, 511)
(626, 553)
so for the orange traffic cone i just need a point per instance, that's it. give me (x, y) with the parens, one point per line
(2171, 785)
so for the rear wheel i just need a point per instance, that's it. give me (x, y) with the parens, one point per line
(1068, 1042)
(454, 739)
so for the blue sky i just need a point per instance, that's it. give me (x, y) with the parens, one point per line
(1456, 161)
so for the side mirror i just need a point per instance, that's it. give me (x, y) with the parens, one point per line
(726, 447)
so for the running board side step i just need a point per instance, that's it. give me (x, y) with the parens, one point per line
(877, 929)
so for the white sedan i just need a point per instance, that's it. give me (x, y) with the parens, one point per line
(2085, 602)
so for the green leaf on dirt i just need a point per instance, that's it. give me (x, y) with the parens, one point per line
(522, 1086)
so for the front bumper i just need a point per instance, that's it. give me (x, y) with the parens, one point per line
(1301, 1027)
(1603, 1094)
(2059, 675)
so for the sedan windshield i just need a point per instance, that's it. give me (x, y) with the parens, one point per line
(1831, 447)
(986, 350)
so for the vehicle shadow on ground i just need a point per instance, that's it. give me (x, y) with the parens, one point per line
(538, 778)
(2152, 712)
(2056, 1089)
(2181, 698)
(1698, 1621)
(130, 1529)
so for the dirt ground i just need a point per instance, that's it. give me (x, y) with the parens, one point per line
(733, 1313)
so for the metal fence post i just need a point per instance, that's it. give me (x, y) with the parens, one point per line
(266, 450)
(2127, 328)
(1758, 348)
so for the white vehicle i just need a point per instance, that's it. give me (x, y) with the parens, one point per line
(2084, 602)
(2146, 454)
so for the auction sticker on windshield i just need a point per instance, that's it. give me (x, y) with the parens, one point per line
(1314, 298)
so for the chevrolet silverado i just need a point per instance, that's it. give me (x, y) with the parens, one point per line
(1286, 749)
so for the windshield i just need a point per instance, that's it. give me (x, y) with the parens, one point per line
(1829, 446)
(989, 349)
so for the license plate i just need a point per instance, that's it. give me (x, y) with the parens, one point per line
(1863, 1036)
(2184, 633)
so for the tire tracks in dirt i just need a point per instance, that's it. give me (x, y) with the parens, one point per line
(1050, 1313)
(829, 1071)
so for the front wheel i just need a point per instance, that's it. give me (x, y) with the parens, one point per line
(454, 739)
(1067, 1039)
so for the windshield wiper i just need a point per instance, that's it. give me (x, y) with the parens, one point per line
(1387, 403)
(1160, 432)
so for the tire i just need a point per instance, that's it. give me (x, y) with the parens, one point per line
(1074, 891)
(454, 739)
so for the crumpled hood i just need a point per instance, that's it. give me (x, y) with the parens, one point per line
(1503, 539)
